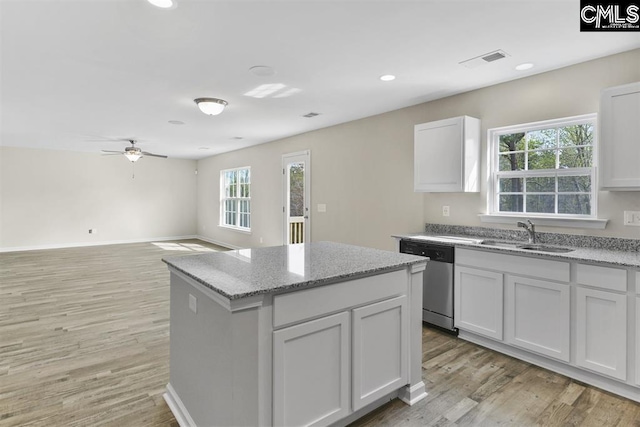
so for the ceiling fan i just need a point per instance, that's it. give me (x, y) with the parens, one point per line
(133, 153)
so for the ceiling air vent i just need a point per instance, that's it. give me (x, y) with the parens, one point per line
(484, 59)
(309, 115)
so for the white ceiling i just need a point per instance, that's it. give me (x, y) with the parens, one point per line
(75, 74)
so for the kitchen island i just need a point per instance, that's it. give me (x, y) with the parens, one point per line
(312, 334)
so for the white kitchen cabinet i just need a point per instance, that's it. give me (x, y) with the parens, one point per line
(379, 350)
(447, 155)
(619, 143)
(538, 316)
(479, 301)
(312, 372)
(601, 328)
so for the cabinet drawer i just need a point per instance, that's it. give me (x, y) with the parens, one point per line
(309, 303)
(521, 265)
(613, 279)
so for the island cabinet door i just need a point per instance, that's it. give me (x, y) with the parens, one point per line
(601, 327)
(380, 350)
(478, 301)
(538, 316)
(311, 372)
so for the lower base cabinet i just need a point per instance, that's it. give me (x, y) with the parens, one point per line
(315, 361)
(601, 328)
(479, 301)
(380, 334)
(312, 372)
(538, 316)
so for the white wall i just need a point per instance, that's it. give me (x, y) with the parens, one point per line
(565, 92)
(52, 198)
(363, 170)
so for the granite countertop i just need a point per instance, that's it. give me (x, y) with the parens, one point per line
(246, 272)
(624, 257)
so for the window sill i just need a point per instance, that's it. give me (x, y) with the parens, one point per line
(593, 223)
(238, 229)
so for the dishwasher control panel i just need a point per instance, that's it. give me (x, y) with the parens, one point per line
(434, 251)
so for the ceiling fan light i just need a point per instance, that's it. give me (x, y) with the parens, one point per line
(133, 156)
(211, 106)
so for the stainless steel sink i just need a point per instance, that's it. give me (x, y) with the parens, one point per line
(544, 248)
(526, 246)
(501, 243)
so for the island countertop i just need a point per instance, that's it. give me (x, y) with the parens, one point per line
(247, 272)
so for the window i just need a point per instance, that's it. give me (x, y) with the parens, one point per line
(544, 169)
(235, 198)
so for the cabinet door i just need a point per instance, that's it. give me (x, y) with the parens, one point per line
(438, 156)
(478, 297)
(380, 350)
(311, 372)
(538, 316)
(620, 137)
(601, 326)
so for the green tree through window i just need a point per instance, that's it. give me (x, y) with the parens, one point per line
(545, 170)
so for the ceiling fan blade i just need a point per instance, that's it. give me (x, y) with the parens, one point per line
(153, 155)
(112, 152)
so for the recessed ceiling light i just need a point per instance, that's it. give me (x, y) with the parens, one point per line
(525, 66)
(262, 70)
(176, 122)
(163, 4)
(387, 77)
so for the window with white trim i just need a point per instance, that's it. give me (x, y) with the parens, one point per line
(544, 169)
(235, 198)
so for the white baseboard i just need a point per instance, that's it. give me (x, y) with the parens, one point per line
(177, 408)
(216, 242)
(102, 243)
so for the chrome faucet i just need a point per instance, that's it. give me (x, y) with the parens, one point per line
(531, 228)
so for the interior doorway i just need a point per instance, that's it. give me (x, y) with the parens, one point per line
(296, 173)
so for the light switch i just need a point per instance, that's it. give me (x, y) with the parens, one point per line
(193, 303)
(322, 207)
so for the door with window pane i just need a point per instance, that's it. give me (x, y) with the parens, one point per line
(296, 177)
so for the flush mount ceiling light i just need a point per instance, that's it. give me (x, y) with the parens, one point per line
(211, 106)
(525, 66)
(387, 77)
(163, 4)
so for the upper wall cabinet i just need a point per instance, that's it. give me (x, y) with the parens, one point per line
(619, 143)
(447, 155)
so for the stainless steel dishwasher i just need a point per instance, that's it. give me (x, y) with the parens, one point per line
(437, 296)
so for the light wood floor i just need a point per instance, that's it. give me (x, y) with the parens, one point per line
(84, 341)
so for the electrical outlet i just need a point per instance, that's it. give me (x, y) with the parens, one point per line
(261, 240)
(193, 303)
(632, 218)
(445, 211)
(322, 207)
